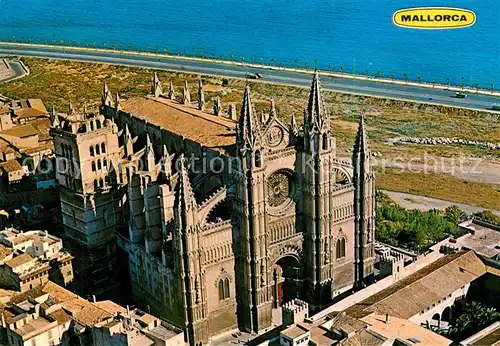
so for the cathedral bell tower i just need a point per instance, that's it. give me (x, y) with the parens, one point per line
(87, 155)
(318, 180)
(364, 206)
(249, 220)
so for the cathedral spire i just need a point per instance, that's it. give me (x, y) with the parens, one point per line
(272, 111)
(106, 98)
(186, 97)
(150, 154)
(156, 88)
(128, 142)
(118, 102)
(201, 96)
(71, 110)
(166, 163)
(293, 126)
(54, 118)
(185, 200)
(248, 126)
(317, 115)
(361, 141)
(171, 91)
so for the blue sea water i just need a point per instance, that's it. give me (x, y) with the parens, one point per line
(355, 34)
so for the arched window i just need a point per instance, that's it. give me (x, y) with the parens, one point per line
(98, 124)
(226, 288)
(340, 248)
(98, 164)
(93, 166)
(221, 289)
(103, 148)
(91, 151)
(97, 150)
(91, 126)
(258, 159)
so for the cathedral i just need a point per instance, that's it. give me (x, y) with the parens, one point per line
(218, 218)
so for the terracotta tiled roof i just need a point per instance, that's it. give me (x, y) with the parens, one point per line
(423, 288)
(19, 260)
(37, 104)
(111, 307)
(29, 113)
(11, 166)
(4, 252)
(206, 129)
(60, 316)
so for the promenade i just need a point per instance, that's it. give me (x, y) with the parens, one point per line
(478, 99)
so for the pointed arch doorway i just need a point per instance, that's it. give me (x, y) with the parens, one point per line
(286, 281)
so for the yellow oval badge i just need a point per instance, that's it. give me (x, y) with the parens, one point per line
(434, 18)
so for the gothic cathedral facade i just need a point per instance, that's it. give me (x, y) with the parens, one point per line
(283, 217)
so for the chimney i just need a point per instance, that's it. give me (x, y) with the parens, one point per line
(387, 318)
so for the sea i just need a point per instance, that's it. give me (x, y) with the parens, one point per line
(353, 36)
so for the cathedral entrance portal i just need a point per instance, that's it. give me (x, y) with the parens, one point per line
(286, 280)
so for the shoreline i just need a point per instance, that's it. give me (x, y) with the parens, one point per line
(342, 75)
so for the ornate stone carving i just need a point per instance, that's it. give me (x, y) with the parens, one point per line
(274, 136)
(280, 188)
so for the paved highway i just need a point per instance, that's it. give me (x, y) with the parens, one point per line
(370, 87)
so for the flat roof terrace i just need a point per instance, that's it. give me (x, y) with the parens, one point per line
(200, 127)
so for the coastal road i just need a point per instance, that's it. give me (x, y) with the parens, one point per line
(368, 87)
(17, 69)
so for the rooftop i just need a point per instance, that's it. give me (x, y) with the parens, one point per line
(294, 331)
(19, 260)
(208, 130)
(11, 166)
(483, 239)
(415, 293)
(404, 329)
(38, 325)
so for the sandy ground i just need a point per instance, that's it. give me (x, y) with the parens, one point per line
(409, 201)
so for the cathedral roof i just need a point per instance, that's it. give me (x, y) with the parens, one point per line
(208, 130)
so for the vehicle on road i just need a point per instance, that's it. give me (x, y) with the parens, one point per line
(254, 75)
(460, 95)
